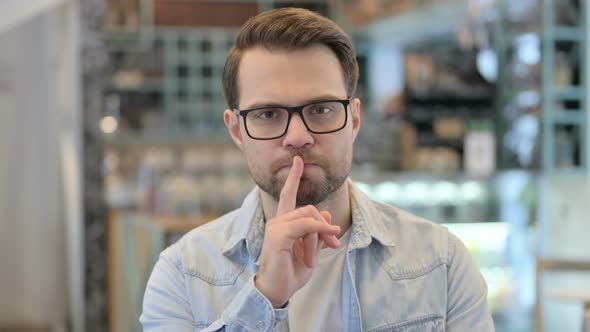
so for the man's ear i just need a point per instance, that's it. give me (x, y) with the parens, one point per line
(233, 126)
(355, 111)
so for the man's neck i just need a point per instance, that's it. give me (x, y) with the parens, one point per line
(338, 204)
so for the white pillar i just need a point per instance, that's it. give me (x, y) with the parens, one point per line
(40, 188)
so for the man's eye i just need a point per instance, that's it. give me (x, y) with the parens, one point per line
(321, 110)
(266, 114)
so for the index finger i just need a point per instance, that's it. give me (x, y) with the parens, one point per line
(288, 198)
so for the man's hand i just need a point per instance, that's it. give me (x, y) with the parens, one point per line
(292, 242)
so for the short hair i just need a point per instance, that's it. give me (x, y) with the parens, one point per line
(289, 29)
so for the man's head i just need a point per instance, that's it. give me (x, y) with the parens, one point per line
(289, 29)
(287, 58)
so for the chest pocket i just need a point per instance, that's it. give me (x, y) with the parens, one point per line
(420, 324)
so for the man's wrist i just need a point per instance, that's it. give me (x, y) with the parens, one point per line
(251, 310)
(276, 303)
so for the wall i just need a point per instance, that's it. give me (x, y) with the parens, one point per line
(33, 264)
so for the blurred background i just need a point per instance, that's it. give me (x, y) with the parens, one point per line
(112, 144)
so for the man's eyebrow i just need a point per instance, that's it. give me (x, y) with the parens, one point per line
(307, 101)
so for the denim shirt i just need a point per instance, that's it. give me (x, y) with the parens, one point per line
(401, 273)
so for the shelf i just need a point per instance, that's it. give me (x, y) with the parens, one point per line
(569, 118)
(168, 223)
(568, 34)
(148, 86)
(428, 115)
(571, 93)
(424, 140)
(572, 96)
(189, 84)
(417, 25)
(451, 96)
(121, 34)
(15, 12)
(166, 138)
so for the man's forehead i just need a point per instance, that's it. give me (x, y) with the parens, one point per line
(308, 99)
(289, 77)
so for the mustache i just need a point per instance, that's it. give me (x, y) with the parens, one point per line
(304, 154)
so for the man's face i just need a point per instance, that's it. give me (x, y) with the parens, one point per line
(292, 78)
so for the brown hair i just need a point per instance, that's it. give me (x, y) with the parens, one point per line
(289, 29)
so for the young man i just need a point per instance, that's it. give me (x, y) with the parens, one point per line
(308, 251)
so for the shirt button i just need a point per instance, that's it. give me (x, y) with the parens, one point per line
(261, 325)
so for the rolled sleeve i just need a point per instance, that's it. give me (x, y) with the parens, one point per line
(252, 311)
(166, 305)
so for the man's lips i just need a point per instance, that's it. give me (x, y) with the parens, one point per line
(305, 166)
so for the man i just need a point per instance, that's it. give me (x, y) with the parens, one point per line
(307, 251)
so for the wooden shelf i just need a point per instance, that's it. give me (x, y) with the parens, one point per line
(170, 224)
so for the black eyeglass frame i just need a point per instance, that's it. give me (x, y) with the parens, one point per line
(299, 110)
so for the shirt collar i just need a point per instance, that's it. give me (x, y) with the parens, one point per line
(368, 222)
(248, 227)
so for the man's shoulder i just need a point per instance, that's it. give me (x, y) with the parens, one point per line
(423, 242)
(200, 253)
(406, 225)
(217, 231)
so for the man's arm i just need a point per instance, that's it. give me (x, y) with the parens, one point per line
(166, 306)
(281, 273)
(467, 291)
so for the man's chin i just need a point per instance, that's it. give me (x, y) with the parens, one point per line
(316, 192)
(308, 194)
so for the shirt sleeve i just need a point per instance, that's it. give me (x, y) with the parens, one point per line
(166, 306)
(467, 308)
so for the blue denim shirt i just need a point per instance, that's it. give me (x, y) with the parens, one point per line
(402, 273)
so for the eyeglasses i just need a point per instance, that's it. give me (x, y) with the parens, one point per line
(322, 117)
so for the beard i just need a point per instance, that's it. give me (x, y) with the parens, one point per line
(312, 190)
(309, 192)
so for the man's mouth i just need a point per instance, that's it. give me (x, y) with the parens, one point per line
(305, 166)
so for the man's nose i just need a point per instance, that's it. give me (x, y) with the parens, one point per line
(297, 135)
